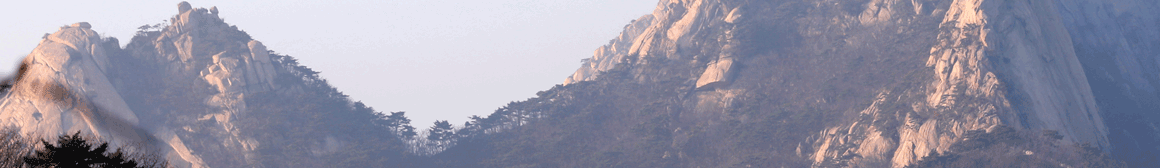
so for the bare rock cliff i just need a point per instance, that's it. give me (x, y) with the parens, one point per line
(63, 88)
(177, 87)
(901, 79)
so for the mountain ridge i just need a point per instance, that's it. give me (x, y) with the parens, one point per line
(697, 83)
(996, 63)
(184, 89)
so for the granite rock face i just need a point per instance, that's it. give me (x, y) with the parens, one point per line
(894, 80)
(955, 65)
(65, 89)
(607, 56)
(199, 47)
(717, 73)
(1116, 44)
(75, 80)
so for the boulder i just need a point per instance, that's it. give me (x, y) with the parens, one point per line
(717, 73)
(76, 37)
(82, 25)
(183, 6)
(263, 66)
(733, 15)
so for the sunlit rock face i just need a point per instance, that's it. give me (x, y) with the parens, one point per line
(881, 83)
(74, 81)
(905, 78)
(63, 88)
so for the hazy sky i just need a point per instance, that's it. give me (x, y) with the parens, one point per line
(435, 59)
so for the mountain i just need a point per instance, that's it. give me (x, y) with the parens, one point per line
(864, 83)
(697, 83)
(198, 91)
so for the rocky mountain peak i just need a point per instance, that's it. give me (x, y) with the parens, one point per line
(74, 81)
(944, 68)
(696, 83)
(64, 87)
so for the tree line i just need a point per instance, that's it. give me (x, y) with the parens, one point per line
(72, 150)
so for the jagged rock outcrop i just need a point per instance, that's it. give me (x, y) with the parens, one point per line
(1043, 86)
(243, 73)
(198, 46)
(63, 88)
(235, 103)
(179, 89)
(607, 56)
(938, 68)
(1042, 66)
(697, 83)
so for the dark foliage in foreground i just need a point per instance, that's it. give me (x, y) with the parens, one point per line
(70, 151)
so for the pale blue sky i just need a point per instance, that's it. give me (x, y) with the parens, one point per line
(435, 59)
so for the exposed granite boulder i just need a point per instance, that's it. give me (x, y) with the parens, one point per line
(81, 25)
(183, 6)
(241, 73)
(717, 73)
(734, 15)
(262, 69)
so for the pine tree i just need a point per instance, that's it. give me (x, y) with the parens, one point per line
(399, 123)
(75, 151)
(442, 134)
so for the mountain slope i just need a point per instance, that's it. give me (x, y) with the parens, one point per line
(697, 83)
(869, 83)
(201, 92)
